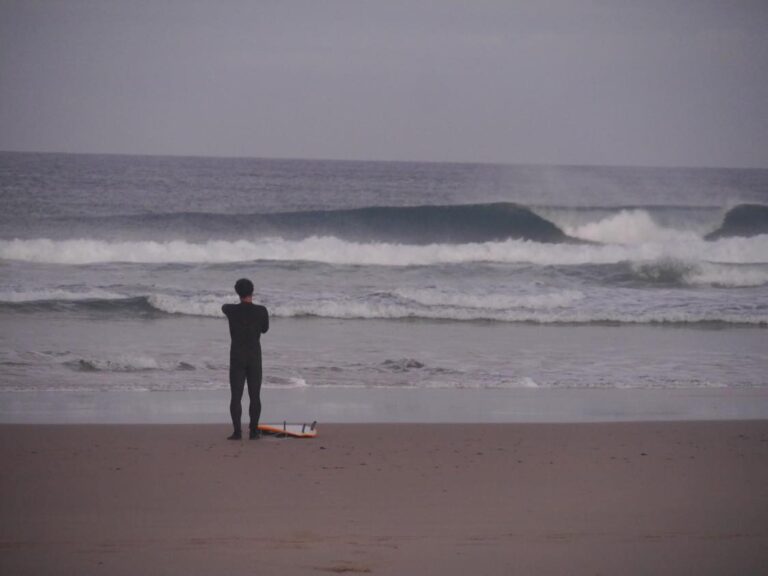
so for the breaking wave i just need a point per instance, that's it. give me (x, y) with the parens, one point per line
(126, 364)
(744, 220)
(565, 307)
(329, 250)
(631, 227)
(685, 273)
(430, 298)
(449, 224)
(368, 310)
(57, 294)
(436, 224)
(68, 302)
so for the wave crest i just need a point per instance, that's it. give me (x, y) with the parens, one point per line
(685, 273)
(446, 224)
(330, 250)
(553, 308)
(744, 220)
(633, 227)
(430, 297)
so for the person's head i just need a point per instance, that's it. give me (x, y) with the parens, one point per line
(244, 288)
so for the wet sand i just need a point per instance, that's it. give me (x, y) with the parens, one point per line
(606, 498)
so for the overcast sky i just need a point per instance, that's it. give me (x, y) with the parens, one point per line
(664, 83)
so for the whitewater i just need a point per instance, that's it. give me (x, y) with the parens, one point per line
(113, 270)
(330, 250)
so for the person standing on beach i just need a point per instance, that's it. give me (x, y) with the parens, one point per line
(247, 322)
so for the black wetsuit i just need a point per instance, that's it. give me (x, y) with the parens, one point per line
(247, 322)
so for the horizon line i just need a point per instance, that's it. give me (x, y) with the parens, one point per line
(384, 161)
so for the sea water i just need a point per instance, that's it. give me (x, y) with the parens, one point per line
(380, 275)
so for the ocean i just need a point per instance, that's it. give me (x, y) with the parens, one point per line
(427, 276)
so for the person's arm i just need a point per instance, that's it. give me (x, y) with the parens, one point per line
(265, 327)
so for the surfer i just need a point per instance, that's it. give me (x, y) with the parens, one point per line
(247, 322)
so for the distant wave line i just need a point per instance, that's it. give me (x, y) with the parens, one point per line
(330, 250)
(427, 224)
(558, 309)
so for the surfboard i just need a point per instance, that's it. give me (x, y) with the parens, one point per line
(292, 430)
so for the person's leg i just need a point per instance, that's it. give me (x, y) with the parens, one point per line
(237, 375)
(254, 393)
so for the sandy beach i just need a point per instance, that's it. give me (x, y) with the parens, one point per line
(616, 498)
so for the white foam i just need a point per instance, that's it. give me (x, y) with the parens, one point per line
(197, 306)
(434, 297)
(124, 363)
(727, 277)
(572, 315)
(497, 383)
(335, 251)
(701, 273)
(546, 309)
(20, 296)
(87, 251)
(524, 382)
(283, 383)
(629, 227)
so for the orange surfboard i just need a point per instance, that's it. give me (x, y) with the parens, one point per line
(292, 430)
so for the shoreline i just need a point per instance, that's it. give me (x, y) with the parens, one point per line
(380, 405)
(609, 498)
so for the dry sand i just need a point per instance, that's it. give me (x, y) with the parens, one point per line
(630, 498)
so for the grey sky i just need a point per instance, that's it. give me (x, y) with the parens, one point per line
(667, 83)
